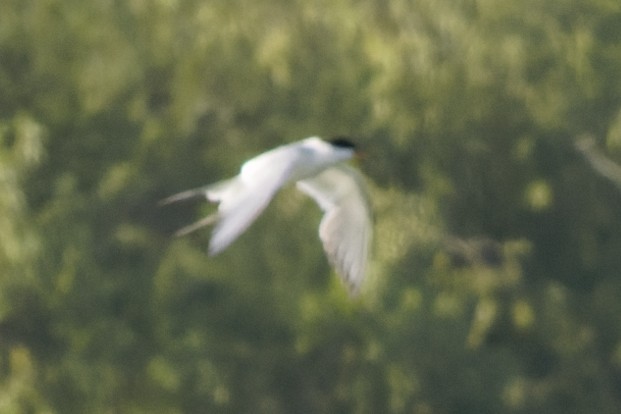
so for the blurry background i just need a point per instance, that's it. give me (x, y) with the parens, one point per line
(495, 280)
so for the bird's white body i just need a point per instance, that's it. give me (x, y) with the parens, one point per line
(295, 161)
(317, 168)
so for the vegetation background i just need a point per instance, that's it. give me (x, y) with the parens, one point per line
(496, 271)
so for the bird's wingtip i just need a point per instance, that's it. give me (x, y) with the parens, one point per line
(353, 291)
(214, 250)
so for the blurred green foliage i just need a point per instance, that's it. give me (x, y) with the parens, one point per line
(495, 275)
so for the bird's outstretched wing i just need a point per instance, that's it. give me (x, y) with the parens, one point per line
(240, 205)
(346, 227)
(240, 201)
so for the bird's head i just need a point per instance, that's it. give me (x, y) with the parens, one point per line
(346, 143)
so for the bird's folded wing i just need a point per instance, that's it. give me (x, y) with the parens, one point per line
(346, 227)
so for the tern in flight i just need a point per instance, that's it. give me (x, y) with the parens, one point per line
(318, 168)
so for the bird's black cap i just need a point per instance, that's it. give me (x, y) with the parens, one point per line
(342, 142)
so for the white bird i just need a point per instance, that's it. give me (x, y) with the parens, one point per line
(317, 167)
